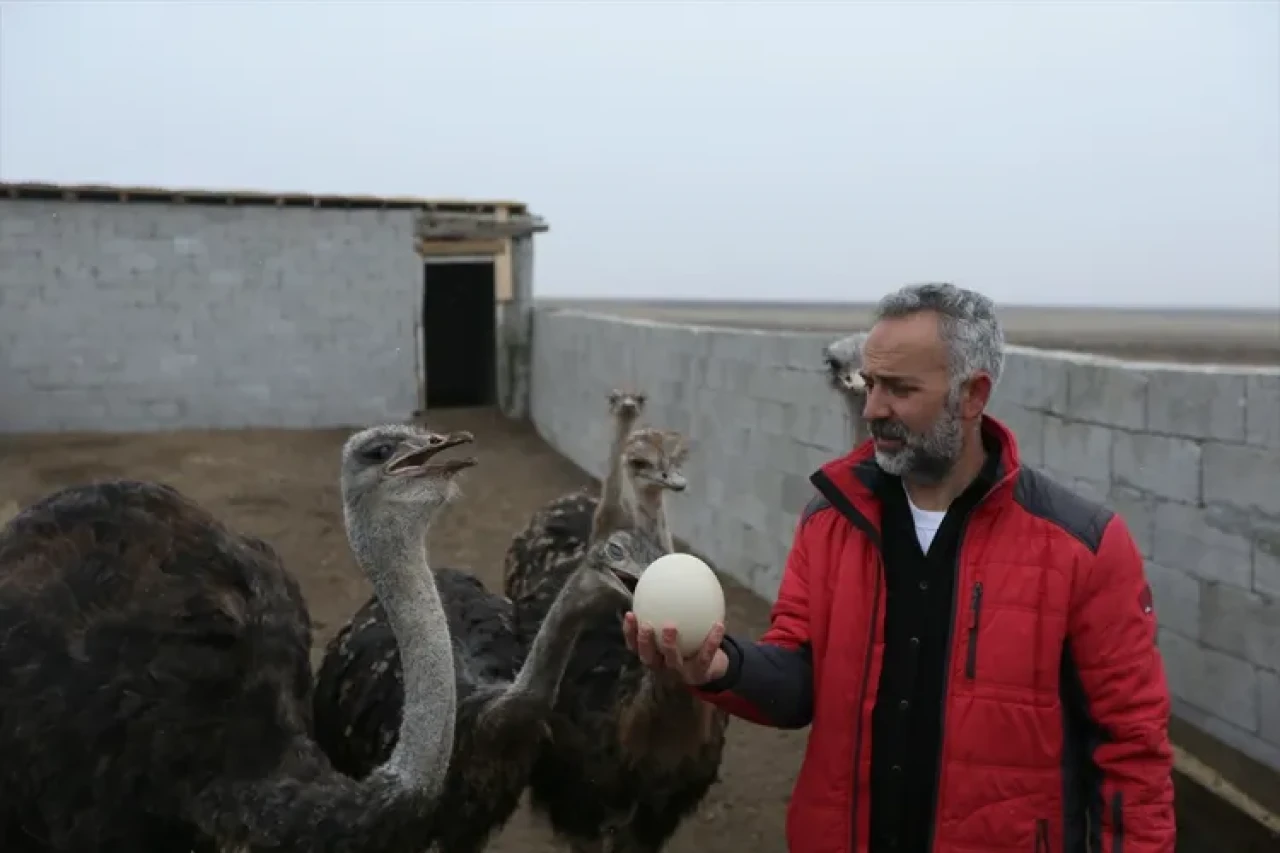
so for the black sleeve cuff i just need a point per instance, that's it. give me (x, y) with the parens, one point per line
(731, 675)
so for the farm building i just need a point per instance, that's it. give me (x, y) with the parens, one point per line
(130, 308)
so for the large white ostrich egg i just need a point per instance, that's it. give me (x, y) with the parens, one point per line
(682, 590)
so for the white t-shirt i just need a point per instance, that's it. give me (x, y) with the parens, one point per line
(927, 522)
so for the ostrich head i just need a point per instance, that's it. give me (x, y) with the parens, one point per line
(626, 403)
(843, 359)
(620, 558)
(655, 458)
(396, 465)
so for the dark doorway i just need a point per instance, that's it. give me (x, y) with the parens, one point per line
(459, 334)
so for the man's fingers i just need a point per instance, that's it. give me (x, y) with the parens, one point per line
(671, 651)
(709, 647)
(647, 646)
(662, 648)
(629, 631)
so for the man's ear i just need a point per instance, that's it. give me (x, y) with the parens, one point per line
(975, 395)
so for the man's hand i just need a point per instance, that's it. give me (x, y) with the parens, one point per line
(659, 654)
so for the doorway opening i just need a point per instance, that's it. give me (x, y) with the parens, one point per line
(459, 330)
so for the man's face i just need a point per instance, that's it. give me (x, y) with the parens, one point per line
(916, 423)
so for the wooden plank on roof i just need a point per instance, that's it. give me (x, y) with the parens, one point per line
(438, 226)
(445, 248)
(120, 193)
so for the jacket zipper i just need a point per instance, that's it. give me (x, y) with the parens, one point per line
(975, 613)
(1042, 836)
(1117, 823)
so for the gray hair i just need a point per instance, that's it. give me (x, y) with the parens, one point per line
(968, 322)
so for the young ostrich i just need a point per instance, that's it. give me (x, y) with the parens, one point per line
(843, 360)
(155, 677)
(631, 754)
(503, 704)
(644, 465)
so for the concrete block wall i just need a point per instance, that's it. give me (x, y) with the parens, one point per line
(136, 316)
(1190, 455)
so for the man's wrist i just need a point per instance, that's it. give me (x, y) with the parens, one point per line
(725, 667)
(719, 666)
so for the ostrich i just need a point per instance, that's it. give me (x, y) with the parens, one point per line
(562, 528)
(843, 359)
(631, 753)
(625, 409)
(654, 463)
(503, 704)
(155, 681)
(651, 464)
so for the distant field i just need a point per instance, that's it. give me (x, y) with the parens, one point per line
(1229, 337)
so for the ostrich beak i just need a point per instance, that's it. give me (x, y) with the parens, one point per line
(624, 580)
(417, 460)
(853, 381)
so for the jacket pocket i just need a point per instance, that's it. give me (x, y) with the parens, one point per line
(1042, 836)
(975, 620)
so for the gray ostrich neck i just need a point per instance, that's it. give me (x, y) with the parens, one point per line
(617, 496)
(651, 515)
(392, 551)
(540, 675)
(857, 426)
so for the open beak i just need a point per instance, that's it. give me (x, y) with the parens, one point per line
(418, 460)
(625, 580)
(853, 382)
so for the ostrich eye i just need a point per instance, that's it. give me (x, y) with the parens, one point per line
(641, 464)
(378, 452)
(615, 552)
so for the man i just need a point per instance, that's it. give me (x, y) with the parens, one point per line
(972, 643)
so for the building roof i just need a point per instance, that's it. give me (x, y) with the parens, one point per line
(37, 190)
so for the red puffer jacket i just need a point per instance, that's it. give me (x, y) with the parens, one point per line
(1056, 704)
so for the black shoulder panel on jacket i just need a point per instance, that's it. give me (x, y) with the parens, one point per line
(815, 506)
(1044, 497)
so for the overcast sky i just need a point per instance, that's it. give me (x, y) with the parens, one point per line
(1077, 153)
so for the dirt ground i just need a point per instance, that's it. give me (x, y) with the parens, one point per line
(282, 485)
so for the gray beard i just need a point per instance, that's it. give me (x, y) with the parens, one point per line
(927, 458)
